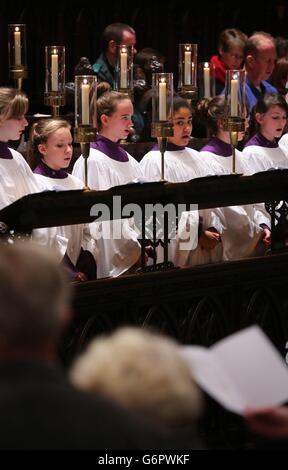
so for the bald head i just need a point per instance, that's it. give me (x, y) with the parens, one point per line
(260, 57)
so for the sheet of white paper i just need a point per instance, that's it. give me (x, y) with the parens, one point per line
(243, 370)
(212, 377)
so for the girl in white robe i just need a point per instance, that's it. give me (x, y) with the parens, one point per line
(182, 164)
(16, 177)
(248, 230)
(262, 151)
(110, 165)
(50, 154)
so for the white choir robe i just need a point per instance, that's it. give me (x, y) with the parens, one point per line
(283, 144)
(264, 158)
(181, 166)
(78, 235)
(117, 240)
(17, 180)
(243, 234)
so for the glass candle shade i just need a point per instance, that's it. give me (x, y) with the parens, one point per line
(17, 46)
(187, 77)
(123, 78)
(85, 100)
(55, 69)
(162, 97)
(235, 94)
(206, 80)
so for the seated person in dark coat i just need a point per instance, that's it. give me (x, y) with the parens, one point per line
(39, 408)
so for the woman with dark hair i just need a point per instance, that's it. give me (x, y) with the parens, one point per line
(269, 120)
(247, 231)
(182, 164)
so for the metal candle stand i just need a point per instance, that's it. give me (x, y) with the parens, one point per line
(234, 124)
(161, 130)
(84, 135)
(54, 99)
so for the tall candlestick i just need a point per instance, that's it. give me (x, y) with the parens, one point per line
(234, 97)
(187, 68)
(206, 75)
(162, 101)
(85, 88)
(123, 69)
(17, 46)
(54, 71)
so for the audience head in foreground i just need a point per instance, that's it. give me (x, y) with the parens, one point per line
(143, 371)
(39, 408)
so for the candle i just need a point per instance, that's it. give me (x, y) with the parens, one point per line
(234, 97)
(187, 68)
(54, 71)
(123, 69)
(85, 88)
(17, 46)
(206, 74)
(162, 101)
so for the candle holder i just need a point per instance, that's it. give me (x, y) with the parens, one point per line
(206, 80)
(162, 111)
(187, 78)
(17, 53)
(54, 95)
(85, 116)
(235, 108)
(123, 78)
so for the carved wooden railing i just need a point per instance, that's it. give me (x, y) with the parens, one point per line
(198, 305)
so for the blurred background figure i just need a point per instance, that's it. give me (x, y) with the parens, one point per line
(281, 47)
(279, 77)
(230, 55)
(115, 33)
(39, 408)
(260, 58)
(143, 371)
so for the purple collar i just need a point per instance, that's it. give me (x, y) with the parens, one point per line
(5, 152)
(261, 141)
(110, 148)
(45, 170)
(170, 147)
(218, 147)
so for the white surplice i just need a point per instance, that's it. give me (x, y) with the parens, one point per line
(117, 241)
(264, 158)
(283, 144)
(78, 235)
(17, 180)
(241, 239)
(181, 166)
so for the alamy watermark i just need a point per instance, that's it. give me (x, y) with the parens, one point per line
(156, 218)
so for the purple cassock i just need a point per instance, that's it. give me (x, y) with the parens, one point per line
(111, 149)
(45, 170)
(218, 147)
(261, 141)
(5, 151)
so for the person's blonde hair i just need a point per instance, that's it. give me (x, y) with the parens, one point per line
(13, 103)
(39, 134)
(143, 371)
